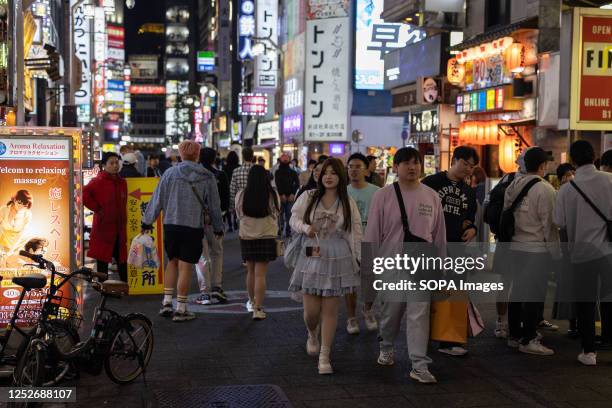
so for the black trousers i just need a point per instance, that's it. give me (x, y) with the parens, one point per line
(593, 280)
(121, 267)
(523, 319)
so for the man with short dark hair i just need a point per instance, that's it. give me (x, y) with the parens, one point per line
(361, 192)
(241, 174)
(287, 185)
(373, 177)
(459, 204)
(426, 220)
(153, 169)
(589, 239)
(606, 161)
(210, 267)
(534, 242)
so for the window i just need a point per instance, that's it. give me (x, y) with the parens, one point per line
(497, 13)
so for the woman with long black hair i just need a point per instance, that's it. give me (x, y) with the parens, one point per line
(231, 162)
(327, 267)
(257, 207)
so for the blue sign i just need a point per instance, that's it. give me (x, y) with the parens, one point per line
(2, 148)
(246, 29)
(115, 85)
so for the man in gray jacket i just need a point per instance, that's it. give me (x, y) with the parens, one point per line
(188, 196)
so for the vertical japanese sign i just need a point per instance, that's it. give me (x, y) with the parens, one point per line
(327, 79)
(81, 29)
(35, 215)
(591, 97)
(246, 29)
(99, 57)
(373, 39)
(319, 9)
(146, 280)
(266, 64)
(224, 38)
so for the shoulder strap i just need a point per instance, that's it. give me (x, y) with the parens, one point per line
(586, 198)
(400, 201)
(523, 193)
(197, 196)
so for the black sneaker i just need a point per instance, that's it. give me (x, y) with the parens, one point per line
(218, 294)
(183, 317)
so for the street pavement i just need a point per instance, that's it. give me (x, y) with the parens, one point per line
(224, 346)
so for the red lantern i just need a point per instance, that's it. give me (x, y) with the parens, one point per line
(507, 154)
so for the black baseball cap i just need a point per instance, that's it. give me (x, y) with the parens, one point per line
(535, 156)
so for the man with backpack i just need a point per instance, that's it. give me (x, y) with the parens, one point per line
(459, 204)
(210, 272)
(526, 226)
(584, 211)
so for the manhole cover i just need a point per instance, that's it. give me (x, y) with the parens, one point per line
(233, 396)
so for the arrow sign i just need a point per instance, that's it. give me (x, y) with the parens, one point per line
(137, 194)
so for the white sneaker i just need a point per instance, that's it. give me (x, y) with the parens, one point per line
(370, 320)
(259, 314)
(501, 330)
(313, 346)
(352, 326)
(546, 325)
(385, 358)
(454, 351)
(423, 376)
(588, 359)
(325, 366)
(535, 347)
(249, 306)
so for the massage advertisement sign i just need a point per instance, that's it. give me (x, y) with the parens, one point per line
(36, 197)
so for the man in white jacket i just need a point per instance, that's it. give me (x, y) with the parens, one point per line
(535, 239)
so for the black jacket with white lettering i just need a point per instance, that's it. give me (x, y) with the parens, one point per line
(458, 201)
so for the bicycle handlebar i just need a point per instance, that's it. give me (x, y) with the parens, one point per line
(45, 264)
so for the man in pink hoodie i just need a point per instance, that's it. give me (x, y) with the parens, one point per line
(426, 220)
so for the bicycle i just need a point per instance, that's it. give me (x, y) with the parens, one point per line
(113, 339)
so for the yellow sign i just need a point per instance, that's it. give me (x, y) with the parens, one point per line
(146, 280)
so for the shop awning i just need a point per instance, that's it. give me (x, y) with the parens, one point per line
(530, 23)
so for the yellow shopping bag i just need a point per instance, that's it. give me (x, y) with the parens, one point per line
(449, 321)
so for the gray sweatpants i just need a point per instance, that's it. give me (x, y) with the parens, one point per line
(417, 329)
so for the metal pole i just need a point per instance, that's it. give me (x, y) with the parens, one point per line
(19, 71)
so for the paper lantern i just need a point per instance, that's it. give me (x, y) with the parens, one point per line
(504, 43)
(507, 154)
(455, 71)
(515, 58)
(492, 131)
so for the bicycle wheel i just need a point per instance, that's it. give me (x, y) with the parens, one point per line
(130, 350)
(30, 370)
(61, 337)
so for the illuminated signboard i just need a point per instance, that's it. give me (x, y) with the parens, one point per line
(246, 29)
(206, 61)
(252, 104)
(148, 89)
(487, 100)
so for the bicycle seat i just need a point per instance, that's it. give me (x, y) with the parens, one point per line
(112, 288)
(34, 281)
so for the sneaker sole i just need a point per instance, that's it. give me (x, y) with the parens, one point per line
(182, 319)
(203, 303)
(420, 381)
(385, 363)
(450, 353)
(326, 371)
(535, 353)
(167, 313)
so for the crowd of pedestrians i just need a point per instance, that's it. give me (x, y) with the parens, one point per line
(329, 209)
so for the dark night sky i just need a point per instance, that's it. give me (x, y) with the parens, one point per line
(145, 11)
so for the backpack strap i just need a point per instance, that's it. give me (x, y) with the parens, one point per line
(400, 201)
(586, 198)
(523, 193)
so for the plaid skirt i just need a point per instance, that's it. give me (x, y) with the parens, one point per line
(258, 250)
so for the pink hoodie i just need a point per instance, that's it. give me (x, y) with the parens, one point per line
(424, 210)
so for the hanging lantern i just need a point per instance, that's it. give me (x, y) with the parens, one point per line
(507, 154)
(480, 133)
(515, 58)
(531, 55)
(492, 132)
(455, 71)
(504, 43)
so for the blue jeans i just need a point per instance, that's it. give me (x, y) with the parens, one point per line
(283, 220)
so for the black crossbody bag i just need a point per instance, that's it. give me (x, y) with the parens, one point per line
(597, 210)
(408, 236)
